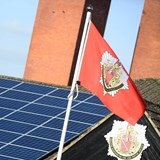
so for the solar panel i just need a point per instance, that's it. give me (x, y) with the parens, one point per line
(32, 116)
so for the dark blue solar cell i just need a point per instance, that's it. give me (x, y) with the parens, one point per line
(72, 126)
(64, 93)
(7, 158)
(55, 123)
(34, 88)
(4, 112)
(15, 126)
(7, 136)
(41, 109)
(36, 143)
(50, 134)
(59, 102)
(83, 117)
(82, 96)
(77, 127)
(22, 153)
(60, 93)
(28, 118)
(95, 100)
(92, 108)
(2, 90)
(11, 104)
(8, 83)
(2, 144)
(20, 95)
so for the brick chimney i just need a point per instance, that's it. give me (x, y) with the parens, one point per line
(53, 41)
(56, 38)
(147, 53)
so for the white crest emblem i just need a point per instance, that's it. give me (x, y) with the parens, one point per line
(113, 77)
(126, 141)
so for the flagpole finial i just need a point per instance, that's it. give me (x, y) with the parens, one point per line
(90, 8)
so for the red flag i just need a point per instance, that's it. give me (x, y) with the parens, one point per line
(104, 75)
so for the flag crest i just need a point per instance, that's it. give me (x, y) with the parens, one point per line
(113, 77)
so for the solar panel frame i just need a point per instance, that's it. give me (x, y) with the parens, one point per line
(33, 112)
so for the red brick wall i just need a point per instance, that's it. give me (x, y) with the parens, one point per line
(55, 34)
(53, 41)
(146, 62)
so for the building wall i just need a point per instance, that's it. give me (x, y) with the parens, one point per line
(56, 38)
(51, 57)
(147, 53)
(53, 41)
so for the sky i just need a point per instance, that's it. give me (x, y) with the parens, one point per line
(16, 25)
(17, 21)
(122, 28)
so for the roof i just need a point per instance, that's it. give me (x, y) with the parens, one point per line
(92, 145)
(92, 137)
(150, 90)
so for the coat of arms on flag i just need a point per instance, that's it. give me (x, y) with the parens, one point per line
(126, 141)
(113, 76)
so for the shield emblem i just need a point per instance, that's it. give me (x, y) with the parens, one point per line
(126, 142)
(113, 77)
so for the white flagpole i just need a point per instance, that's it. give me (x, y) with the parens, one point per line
(76, 74)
